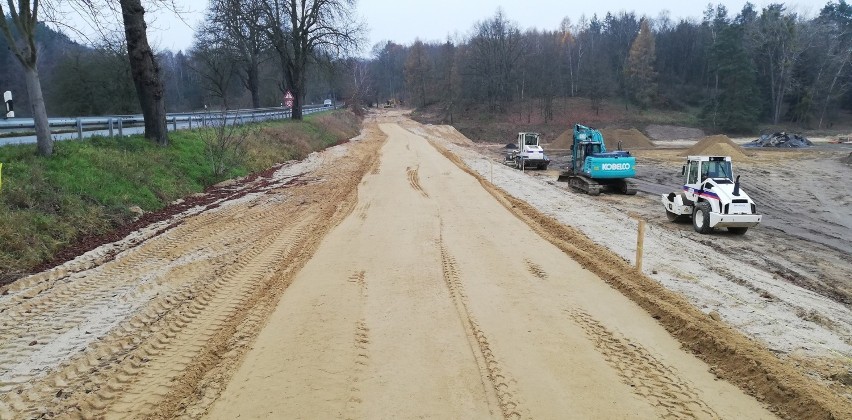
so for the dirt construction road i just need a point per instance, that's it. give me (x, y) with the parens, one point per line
(377, 279)
(431, 300)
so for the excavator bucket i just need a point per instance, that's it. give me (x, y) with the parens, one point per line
(564, 176)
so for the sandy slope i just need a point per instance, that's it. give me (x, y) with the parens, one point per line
(432, 300)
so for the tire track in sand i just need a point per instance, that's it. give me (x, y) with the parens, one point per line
(179, 324)
(649, 378)
(500, 386)
(128, 282)
(171, 354)
(361, 355)
(535, 269)
(414, 181)
(363, 210)
(76, 295)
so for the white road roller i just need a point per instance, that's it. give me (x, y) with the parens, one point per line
(712, 197)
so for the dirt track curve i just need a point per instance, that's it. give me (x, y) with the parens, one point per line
(374, 280)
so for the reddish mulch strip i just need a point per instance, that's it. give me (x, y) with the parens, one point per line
(211, 195)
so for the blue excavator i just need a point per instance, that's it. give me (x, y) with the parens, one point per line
(594, 169)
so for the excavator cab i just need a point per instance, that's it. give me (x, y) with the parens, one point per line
(585, 150)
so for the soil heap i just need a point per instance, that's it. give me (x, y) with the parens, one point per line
(630, 139)
(847, 160)
(564, 141)
(718, 145)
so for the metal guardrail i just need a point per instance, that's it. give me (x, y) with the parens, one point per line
(129, 124)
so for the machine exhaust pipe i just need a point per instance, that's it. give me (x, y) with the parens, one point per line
(737, 187)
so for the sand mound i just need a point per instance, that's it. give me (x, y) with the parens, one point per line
(847, 160)
(630, 139)
(564, 141)
(451, 133)
(718, 145)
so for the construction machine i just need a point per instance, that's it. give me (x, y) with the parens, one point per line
(712, 197)
(390, 103)
(529, 153)
(593, 169)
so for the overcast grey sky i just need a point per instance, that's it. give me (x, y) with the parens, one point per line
(403, 21)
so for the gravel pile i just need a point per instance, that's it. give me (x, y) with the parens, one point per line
(781, 139)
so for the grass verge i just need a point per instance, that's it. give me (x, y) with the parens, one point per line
(88, 187)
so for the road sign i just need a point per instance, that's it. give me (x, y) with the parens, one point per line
(288, 99)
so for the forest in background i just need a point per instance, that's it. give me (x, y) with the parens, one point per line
(734, 70)
(95, 80)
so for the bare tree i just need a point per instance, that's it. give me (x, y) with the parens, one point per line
(361, 84)
(22, 42)
(389, 70)
(145, 72)
(496, 48)
(836, 30)
(214, 59)
(574, 52)
(298, 28)
(238, 21)
(100, 16)
(450, 78)
(417, 72)
(780, 45)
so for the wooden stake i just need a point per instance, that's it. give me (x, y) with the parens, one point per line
(640, 241)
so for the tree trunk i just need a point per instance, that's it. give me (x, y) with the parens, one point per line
(254, 83)
(295, 74)
(145, 72)
(45, 142)
(570, 73)
(831, 88)
(779, 98)
(298, 84)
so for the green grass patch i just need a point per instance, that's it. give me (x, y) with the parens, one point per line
(87, 186)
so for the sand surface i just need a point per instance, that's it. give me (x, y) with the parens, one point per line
(432, 300)
(406, 274)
